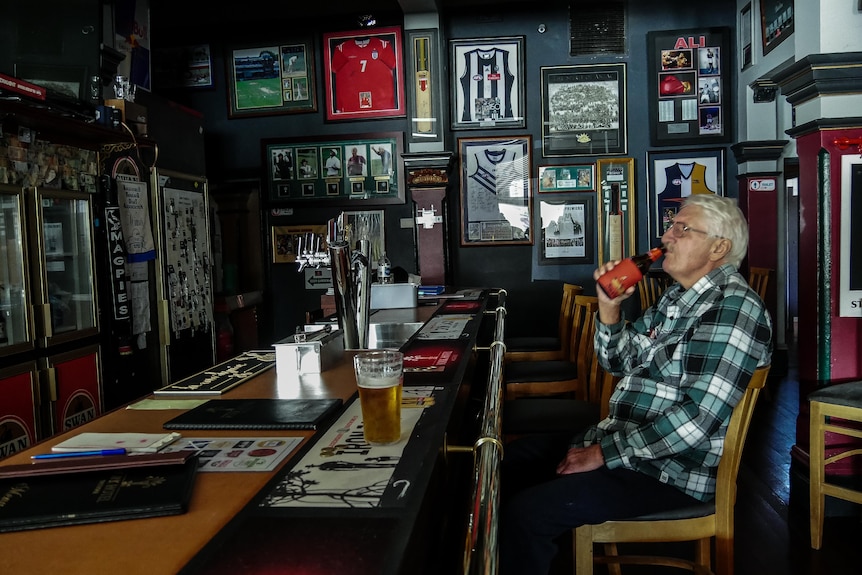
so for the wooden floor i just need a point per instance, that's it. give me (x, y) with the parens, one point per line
(772, 534)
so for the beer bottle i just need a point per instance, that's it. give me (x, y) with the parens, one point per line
(628, 272)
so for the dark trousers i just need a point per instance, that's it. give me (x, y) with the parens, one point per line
(538, 505)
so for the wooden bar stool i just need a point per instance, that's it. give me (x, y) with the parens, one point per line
(832, 409)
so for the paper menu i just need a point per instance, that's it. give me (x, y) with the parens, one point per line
(131, 442)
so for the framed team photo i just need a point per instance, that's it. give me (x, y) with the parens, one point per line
(570, 178)
(364, 74)
(362, 168)
(584, 110)
(495, 191)
(673, 176)
(689, 86)
(487, 82)
(271, 79)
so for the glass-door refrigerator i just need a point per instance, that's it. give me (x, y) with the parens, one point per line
(50, 317)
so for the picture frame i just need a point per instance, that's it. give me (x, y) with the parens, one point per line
(287, 241)
(616, 207)
(746, 31)
(566, 224)
(271, 79)
(584, 110)
(376, 54)
(495, 191)
(425, 86)
(689, 86)
(368, 224)
(776, 22)
(569, 178)
(673, 175)
(199, 67)
(506, 108)
(366, 168)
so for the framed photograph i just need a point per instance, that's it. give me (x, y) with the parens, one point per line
(288, 242)
(364, 74)
(584, 110)
(617, 215)
(367, 225)
(363, 167)
(745, 28)
(495, 191)
(689, 86)
(576, 178)
(776, 22)
(566, 225)
(673, 176)
(488, 83)
(270, 79)
(425, 86)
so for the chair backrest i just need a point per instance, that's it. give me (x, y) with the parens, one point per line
(737, 430)
(758, 279)
(567, 310)
(652, 286)
(581, 349)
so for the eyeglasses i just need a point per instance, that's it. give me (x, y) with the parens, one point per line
(680, 230)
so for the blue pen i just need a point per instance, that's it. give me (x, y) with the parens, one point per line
(120, 451)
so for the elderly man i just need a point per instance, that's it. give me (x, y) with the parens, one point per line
(684, 365)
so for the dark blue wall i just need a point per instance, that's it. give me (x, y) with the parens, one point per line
(233, 146)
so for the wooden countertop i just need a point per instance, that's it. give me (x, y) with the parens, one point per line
(164, 545)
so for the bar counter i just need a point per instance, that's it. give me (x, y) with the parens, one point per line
(224, 531)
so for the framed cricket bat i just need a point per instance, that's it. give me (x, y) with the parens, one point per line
(423, 85)
(616, 208)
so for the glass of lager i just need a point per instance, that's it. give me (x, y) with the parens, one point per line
(379, 375)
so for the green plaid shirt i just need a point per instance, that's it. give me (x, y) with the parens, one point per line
(686, 363)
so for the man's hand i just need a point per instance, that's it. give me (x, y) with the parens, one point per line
(609, 309)
(581, 459)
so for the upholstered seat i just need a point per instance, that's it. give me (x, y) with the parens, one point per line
(557, 377)
(547, 347)
(834, 410)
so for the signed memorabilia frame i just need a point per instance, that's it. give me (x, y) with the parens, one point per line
(689, 86)
(271, 79)
(308, 175)
(663, 177)
(569, 178)
(776, 22)
(468, 109)
(495, 212)
(373, 50)
(424, 86)
(616, 186)
(584, 110)
(566, 224)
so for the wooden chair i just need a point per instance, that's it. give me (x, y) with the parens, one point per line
(541, 348)
(758, 279)
(699, 523)
(526, 415)
(652, 286)
(834, 410)
(558, 377)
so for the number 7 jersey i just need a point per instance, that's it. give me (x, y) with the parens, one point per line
(364, 75)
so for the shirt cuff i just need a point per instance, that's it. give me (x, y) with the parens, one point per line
(613, 457)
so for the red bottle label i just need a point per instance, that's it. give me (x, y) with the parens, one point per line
(619, 279)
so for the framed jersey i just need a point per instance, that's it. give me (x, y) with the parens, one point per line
(364, 74)
(673, 176)
(487, 82)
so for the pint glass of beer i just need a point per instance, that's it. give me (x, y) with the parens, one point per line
(379, 377)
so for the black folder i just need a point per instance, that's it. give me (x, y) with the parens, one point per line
(255, 413)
